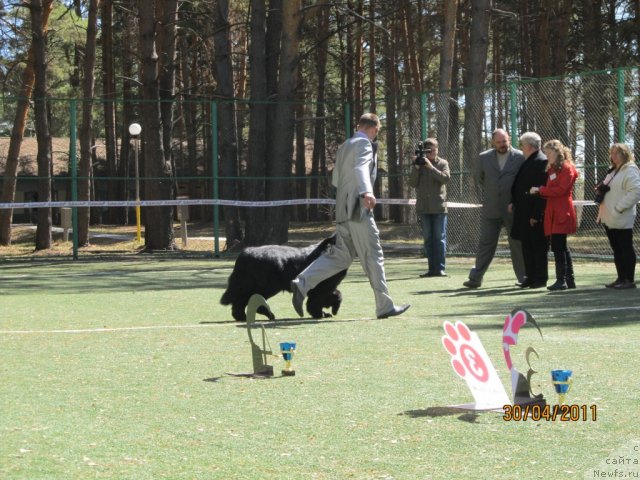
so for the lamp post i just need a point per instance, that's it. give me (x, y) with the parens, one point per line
(134, 131)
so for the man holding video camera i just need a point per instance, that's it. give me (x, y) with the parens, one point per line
(429, 177)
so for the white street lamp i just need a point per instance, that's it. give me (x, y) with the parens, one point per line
(134, 130)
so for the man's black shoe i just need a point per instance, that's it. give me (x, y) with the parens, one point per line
(538, 285)
(472, 283)
(525, 284)
(395, 311)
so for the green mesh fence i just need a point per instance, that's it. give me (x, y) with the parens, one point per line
(587, 112)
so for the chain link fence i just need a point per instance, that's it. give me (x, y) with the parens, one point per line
(587, 112)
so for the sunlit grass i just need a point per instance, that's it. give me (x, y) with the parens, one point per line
(119, 370)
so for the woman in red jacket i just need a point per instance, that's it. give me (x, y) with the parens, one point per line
(559, 214)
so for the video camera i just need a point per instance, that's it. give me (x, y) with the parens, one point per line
(421, 152)
(601, 190)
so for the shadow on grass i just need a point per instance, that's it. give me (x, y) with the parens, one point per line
(585, 307)
(294, 322)
(129, 276)
(431, 412)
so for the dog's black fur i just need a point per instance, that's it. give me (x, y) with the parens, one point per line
(325, 295)
(269, 269)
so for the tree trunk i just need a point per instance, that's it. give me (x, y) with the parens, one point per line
(43, 230)
(167, 13)
(300, 181)
(416, 77)
(358, 61)
(157, 170)
(283, 127)
(475, 79)
(525, 41)
(17, 134)
(559, 26)
(372, 57)
(109, 108)
(190, 116)
(129, 107)
(446, 67)
(391, 97)
(86, 128)
(256, 168)
(227, 120)
(595, 109)
(541, 69)
(318, 155)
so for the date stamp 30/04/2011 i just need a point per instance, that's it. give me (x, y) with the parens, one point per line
(550, 413)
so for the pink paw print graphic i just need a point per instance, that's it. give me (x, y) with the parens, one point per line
(463, 348)
(512, 325)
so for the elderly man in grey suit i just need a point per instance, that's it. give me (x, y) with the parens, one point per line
(495, 172)
(356, 232)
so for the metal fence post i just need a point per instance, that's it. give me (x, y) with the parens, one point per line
(347, 120)
(214, 169)
(74, 173)
(621, 122)
(513, 99)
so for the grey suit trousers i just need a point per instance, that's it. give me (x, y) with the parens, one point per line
(489, 236)
(352, 237)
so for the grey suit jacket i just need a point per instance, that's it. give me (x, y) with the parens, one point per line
(496, 183)
(353, 175)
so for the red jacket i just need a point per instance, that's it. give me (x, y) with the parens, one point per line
(559, 214)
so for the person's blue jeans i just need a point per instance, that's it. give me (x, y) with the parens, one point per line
(434, 232)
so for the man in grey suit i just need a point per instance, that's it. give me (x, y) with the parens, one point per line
(356, 232)
(495, 173)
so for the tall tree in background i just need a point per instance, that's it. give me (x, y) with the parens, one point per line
(372, 56)
(319, 155)
(127, 66)
(597, 96)
(280, 156)
(43, 133)
(227, 119)
(358, 59)
(17, 133)
(447, 50)
(390, 99)
(256, 168)
(635, 37)
(157, 169)
(475, 78)
(86, 128)
(167, 13)
(109, 105)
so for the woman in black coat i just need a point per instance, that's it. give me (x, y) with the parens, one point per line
(528, 211)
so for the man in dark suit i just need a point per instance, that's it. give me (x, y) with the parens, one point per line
(495, 172)
(356, 232)
(528, 211)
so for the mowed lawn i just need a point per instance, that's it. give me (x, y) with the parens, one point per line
(119, 370)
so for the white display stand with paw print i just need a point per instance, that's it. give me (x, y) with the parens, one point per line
(470, 361)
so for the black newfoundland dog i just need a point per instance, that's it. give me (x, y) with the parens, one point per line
(269, 269)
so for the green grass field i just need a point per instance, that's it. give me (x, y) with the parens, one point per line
(118, 370)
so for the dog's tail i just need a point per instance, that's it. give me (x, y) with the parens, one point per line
(321, 247)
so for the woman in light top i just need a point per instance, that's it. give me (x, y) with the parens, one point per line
(619, 193)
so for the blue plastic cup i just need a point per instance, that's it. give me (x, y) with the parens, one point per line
(561, 380)
(285, 348)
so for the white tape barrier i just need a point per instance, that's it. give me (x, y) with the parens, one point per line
(233, 203)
